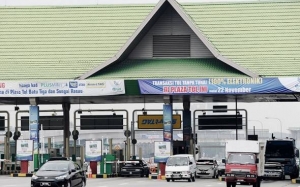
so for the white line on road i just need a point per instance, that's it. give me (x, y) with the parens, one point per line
(102, 186)
(123, 184)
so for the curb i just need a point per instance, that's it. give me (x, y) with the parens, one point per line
(295, 181)
(21, 175)
(156, 177)
(221, 178)
(103, 176)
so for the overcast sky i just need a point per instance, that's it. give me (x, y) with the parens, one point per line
(91, 2)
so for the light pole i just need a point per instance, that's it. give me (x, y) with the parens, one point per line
(262, 126)
(280, 123)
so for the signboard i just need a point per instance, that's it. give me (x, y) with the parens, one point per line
(168, 126)
(156, 121)
(162, 151)
(24, 150)
(220, 86)
(93, 151)
(61, 88)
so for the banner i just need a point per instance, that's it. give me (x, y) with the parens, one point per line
(162, 151)
(168, 127)
(220, 86)
(34, 126)
(156, 122)
(93, 151)
(24, 150)
(61, 88)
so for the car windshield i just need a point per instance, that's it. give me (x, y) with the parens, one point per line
(133, 163)
(279, 149)
(178, 161)
(55, 166)
(241, 158)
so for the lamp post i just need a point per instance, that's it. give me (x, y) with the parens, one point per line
(280, 123)
(262, 126)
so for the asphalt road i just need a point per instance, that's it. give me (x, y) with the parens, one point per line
(6, 181)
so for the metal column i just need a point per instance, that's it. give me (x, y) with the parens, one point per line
(66, 111)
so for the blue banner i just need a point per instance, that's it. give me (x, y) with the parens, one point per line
(220, 86)
(168, 126)
(34, 126)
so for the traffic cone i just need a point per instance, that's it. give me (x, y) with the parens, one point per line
(89, 172)
(159, 175)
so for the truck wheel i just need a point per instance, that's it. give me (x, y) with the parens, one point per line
(168, 180)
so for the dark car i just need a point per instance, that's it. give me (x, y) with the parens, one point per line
(60, 173)
(135, 168)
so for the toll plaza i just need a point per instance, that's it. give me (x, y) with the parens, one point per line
(131, 64)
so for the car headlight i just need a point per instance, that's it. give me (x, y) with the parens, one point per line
(168, 172)
(34, 177)
(61, 177)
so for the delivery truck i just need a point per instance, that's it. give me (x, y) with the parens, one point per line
(244, 162)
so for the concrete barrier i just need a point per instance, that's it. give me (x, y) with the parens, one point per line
(104, 176)
(296, 181)
(21, 174)
(162, 177)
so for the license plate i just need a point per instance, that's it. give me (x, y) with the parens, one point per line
(45, 184)
(240, 180)
(130, 172)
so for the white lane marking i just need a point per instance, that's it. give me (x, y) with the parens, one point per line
(208, 185)
(123, 184)
(102, 186)
(10, 185)
(220, 183)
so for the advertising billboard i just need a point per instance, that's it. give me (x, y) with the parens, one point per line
(156, 121)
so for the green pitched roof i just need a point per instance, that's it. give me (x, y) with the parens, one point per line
(168, 68)
(63, 42)
(66, 42)
(261, 36)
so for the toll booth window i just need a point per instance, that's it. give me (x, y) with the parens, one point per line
(241, 159)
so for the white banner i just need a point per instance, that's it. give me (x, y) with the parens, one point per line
(61, 88)
(162, 149)
(93, 151)
(24, 150)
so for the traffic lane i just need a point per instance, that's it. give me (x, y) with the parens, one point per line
(145, 182)
(7, 181)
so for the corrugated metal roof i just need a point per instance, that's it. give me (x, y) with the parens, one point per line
(168, 68)
(63, 42)
(261, 36)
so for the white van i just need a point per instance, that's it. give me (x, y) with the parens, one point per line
(182, 166)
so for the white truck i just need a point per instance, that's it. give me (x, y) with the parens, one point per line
(244, 162)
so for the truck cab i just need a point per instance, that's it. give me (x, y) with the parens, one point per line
(244, 163)
(285, 152)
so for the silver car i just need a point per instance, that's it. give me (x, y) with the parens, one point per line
(207, 168)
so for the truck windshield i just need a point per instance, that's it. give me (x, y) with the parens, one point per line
(280, 149)
(238, 158)
(178, 161)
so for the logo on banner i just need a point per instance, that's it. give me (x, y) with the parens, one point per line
(73, 84)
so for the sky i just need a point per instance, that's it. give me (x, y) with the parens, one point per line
(92, 2)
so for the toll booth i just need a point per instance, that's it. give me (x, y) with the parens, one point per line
(179, 147)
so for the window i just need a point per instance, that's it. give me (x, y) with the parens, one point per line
(171, 46)
(72, 166)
